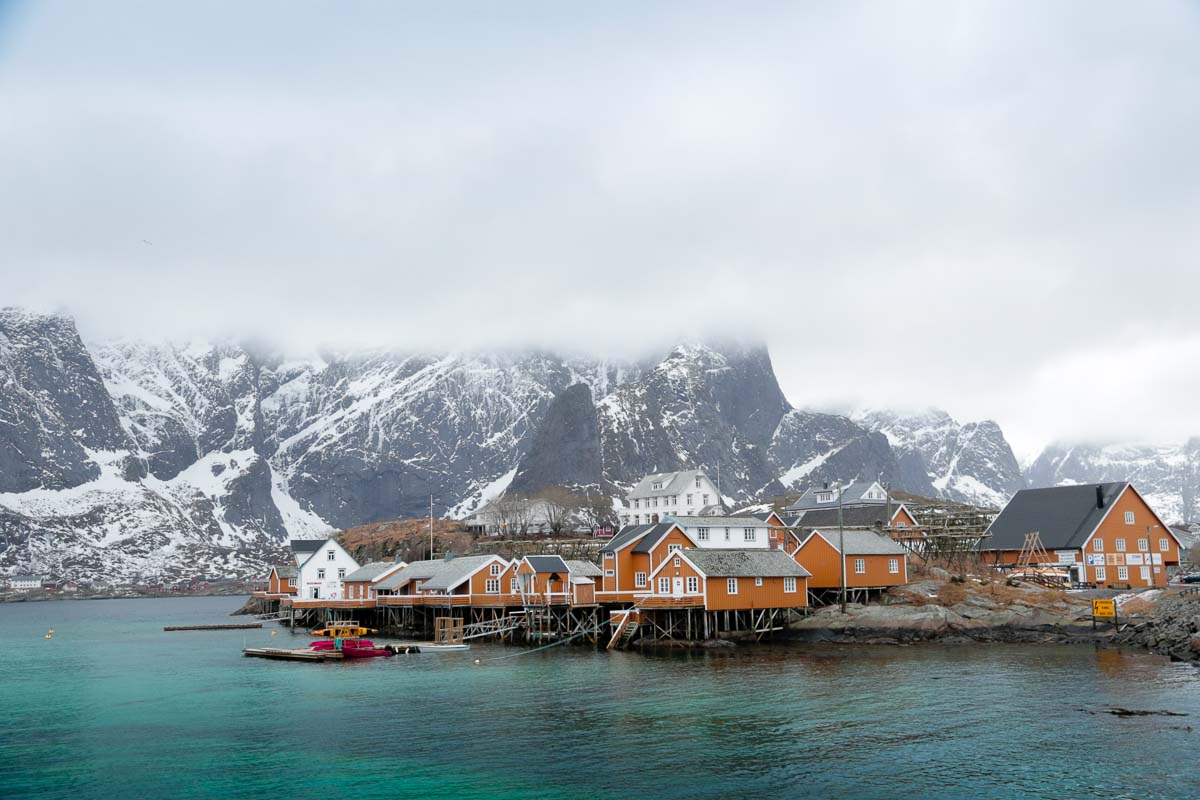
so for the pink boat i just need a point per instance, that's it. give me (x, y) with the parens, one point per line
(352, 648)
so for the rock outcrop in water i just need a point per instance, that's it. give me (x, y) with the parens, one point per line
(1171, 627)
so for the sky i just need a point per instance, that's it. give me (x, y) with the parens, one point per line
(992, 208)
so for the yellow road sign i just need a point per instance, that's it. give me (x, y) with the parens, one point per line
(1104, 608)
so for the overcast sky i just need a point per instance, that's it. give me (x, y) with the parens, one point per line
(989, 207)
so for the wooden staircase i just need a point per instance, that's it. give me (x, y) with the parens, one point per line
(624, 629)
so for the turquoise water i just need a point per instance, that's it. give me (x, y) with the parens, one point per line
(114, 707)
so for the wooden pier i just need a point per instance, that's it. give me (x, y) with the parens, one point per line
(234, 626)
(289, 654)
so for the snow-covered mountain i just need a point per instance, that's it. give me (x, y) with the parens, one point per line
(1167, 475)
(971, 462)
(128, 459)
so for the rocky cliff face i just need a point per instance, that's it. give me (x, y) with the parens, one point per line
(1168, 476)
(972, 463)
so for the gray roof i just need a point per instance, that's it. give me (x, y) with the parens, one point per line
(285, 570)
(25, 577)
(697, 521)
(369, 572)
(673, 483)
(852, 494)
(861, 543)
(417, 570)
(865, 516)
(455, 571)
(548, 564)
(1064, 516)
(652, 537)
(631, 533)
(584, 569)
(716, 563)
(307, 545)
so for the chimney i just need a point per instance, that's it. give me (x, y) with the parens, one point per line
(1099, 497)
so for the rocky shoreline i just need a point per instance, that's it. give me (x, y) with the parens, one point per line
(1171, 628)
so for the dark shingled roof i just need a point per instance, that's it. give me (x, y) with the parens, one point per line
(852, 517)
(717, 563)
(548, 564)
(649, 535)
(307, 545)
(1064, 516)
(654, 536)
(285, 570)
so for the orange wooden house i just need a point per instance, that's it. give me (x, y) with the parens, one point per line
(282, 580)
(634, 553)
(1104, 534)
(360, 584)
(551, 580)
(727, 580)
(872, 560)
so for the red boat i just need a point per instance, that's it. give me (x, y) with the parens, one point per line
(352, 648)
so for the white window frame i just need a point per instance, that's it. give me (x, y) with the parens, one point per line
(1101, 574)
(1129, 518)
(608, 573)
(758, 580)
(677, 563)
(491, 586)
(514, 586)
(731, 585)
(693, 584)
(1164, 544)
(749, 535)
(1098, 545)
(639, 580)
(1123, 573)
(321, 574)
(674, 548)
(893, 566)
(860, 566)
(689, 499)
(727, 534)
(789, 585)
(1120, 545)
(664, 585)
(1145, 573)
(697, 481)
(494, 570)
(341, 573)
(1144, 545)
(609, 556)
(702, 534)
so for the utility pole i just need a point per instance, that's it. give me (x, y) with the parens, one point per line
(842, 546)
(431, 527)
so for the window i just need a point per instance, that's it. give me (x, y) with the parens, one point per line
(636, 503)
(727, 534)
(1122, 573)
(693, 584)
(341, 573)
(320, 574)
(639, 580)
(860, 566)
(292, 582)
(1164, 545)
(678, 563)
(637, 518)
(1144, 545)
(608, 556)
(1120, 545)
(674, 548)
(513, 586)
(1101, 575)
(705, 498)
(492, 586)
(1146, 574)
(654, 501)
(664, 585)
(824, 497)
(758, 581)
(610, 572)
(702, 534)
(731, 585)
(329, 555)
(748, 534)
(894, 566)
(689, 499)
(1128, 517)
(789, 585)
(656, 485)
(697, 481)
(495, 570)
(1098, 545)
(674, 499)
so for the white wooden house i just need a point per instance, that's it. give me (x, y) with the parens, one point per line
(320, 576)
(663, 494)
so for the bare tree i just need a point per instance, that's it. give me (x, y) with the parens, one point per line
(560, 506)
(597, 511)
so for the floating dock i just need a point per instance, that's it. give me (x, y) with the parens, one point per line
(234, 626)
(287, 654)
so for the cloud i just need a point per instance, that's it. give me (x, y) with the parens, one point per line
(913, 204)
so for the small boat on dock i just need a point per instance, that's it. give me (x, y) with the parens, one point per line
(344, 630)
(352, 648)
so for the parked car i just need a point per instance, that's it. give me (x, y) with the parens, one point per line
(1190, 578)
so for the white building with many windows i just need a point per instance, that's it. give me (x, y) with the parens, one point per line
(674, 494)
(320, 575)
(741, 533)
